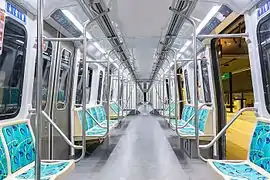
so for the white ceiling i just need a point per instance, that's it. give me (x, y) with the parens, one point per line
(141, 22)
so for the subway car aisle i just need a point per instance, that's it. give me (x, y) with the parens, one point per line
(139, 152)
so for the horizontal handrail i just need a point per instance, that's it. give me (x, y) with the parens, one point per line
(223, 131)
(60, 131)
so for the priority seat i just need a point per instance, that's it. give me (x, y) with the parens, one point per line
(17, 154)
(115, 109)
(205, 123)
(257, 165)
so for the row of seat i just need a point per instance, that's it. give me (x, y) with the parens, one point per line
(205, 122)
(17, 154)
(96, 121)
(17, 147)
(257, 164)
(116, 110)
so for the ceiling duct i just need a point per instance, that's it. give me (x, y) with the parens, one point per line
(94, 8)
(175, 25)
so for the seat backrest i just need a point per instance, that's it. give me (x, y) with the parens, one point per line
(93, 111)
(259, 152)
(101, 113)
(203, 117)
(89, 121)
(187, 113)
(171, 107)
(19, 139)
(114, 107)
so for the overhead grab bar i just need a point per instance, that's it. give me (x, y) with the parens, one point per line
(223, 131)
(60, 131)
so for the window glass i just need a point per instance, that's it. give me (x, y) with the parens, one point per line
(63, 79)
(12, 63)
(264, 52)
(46, 68)
(99, 87)
(206, 85)
(187, 86)
(168, 90)
(88, 89)
(112, 87)
(79, 92)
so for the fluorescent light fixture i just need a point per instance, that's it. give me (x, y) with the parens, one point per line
(204, 22)
(80, 27)
(184, 48)
(207, 18)
(99, 48)
(73, 19)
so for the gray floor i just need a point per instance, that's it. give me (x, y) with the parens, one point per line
(142, 148)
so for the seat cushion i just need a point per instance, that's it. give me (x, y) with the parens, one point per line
(112, 123)
(48, 170)
(96, 131)
(237, 170)
(180, 123)
(189, 131)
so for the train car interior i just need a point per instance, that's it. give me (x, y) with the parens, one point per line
(125, 90)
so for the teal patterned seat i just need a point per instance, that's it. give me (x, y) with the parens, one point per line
(187, 113)
(258, 164)
(115, 109)
(17, 160)
(48, 170)
(189, 130)
(20, 145)
(170, 110)
(92, 129)
(3, 162)
(102, 117)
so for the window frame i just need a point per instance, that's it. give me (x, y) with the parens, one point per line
(48, 83)
(187, 86)
(22, 27)
(100, 83)
(90, 71)
(265, 74)
(206, 86)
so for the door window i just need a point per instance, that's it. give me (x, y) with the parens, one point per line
(63, 80)
(12, 64)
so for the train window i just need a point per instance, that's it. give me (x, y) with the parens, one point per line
(99, 87)
(112, 87)
(46, 67)
(206, 85)
(263, 33)
(88, 89)
(63, 79)
(168, 89)
(12, 62)
(79, 93)
(187, 86)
